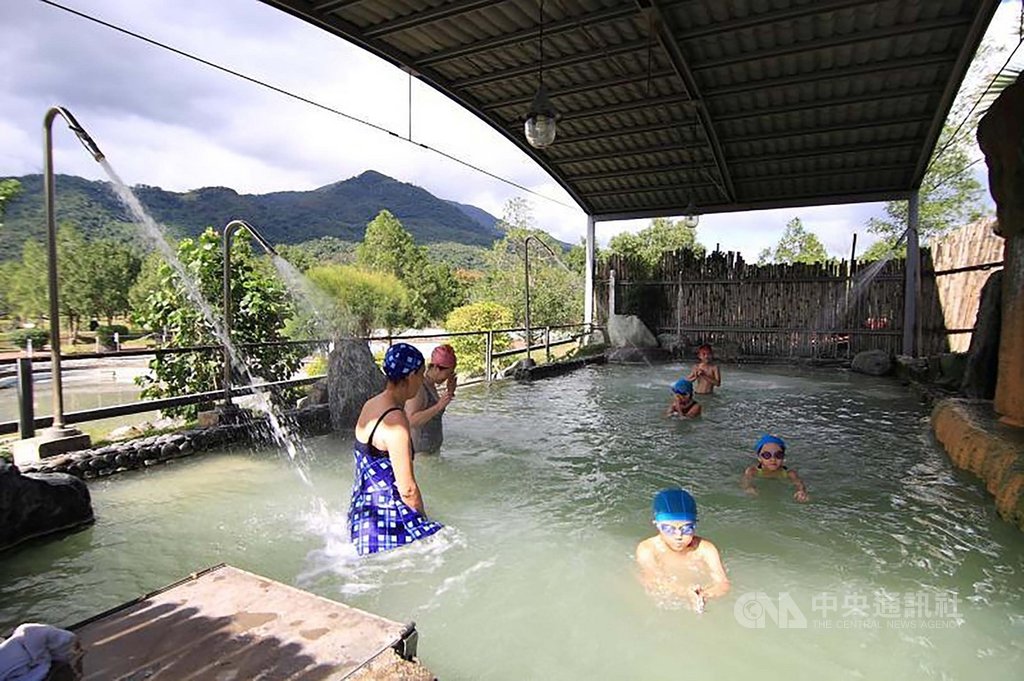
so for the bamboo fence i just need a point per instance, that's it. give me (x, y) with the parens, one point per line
(825, 310)
(962, 262)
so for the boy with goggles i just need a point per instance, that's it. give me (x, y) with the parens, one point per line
(770, 451)
(672, 561)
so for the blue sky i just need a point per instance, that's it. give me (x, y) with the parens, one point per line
(167, 121)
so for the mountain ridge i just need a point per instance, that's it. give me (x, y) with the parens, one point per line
(340, 209)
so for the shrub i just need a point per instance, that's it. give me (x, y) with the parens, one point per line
(478, 317)
(39, 337)
(105, 334)
(317, 366)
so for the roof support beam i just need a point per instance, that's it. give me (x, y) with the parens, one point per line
(829, 151)
(839, 127)
(817, 7)
(624, 153)
(678, 61)
(445, 11)
(767, 204)
(872, 68)
(630, 79)
(830, 103)
(839, 41)
(633, 172)
(552, 29)
(571, 60)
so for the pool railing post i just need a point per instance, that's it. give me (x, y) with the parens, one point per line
(489, 355)
(26, 408)
(547, 344)
(911, 286)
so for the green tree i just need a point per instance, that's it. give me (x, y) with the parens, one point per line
(649, 244)
(27, 293)
(9, 188)
(387, 247)
(359, 301)
(949, 197)
(115, 268)
(556, 292)
(476, 317)
(796, 245)
(260, 305)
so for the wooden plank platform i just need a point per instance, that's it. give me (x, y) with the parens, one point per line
(228, 624)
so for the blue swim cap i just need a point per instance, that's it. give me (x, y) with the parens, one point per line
(674, 504)
(400, 360)
(682, 387)
(765, 439)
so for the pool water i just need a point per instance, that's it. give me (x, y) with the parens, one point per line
(897, 567)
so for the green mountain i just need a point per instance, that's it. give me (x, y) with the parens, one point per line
(340, 210)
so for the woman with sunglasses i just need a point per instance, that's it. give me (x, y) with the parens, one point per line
(678, 562)
(770, 451)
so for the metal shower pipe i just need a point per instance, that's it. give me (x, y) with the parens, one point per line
(229, 232)
(58, 428)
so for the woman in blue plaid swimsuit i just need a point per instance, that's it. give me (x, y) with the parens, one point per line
(387, 510)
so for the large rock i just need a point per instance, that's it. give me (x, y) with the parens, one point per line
(628, 331)
(872, 363)
(37, 504)
(352, 378)
(982, 368)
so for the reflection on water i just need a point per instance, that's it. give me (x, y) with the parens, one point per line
(898, 566)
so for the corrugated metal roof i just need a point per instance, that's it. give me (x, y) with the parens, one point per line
(735, 105)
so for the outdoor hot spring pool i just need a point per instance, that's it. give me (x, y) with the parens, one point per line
(898, 568)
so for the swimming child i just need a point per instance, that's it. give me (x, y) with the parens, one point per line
(771, 450)
(683, 403)
(677, 559)
(705, 375)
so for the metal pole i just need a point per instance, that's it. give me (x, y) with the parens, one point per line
(51, 253)
(547, 344)
(58, 428)
(526, 266)
(489, 355)
(911, 288)
(26, 408)
(588, 293)
(611, 294)
(229, 229)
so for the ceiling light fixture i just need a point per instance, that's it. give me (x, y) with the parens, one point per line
(540, 121)
(692, 217)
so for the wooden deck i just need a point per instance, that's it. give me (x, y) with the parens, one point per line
(228, 624)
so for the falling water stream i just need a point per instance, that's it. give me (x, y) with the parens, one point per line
(284, 438)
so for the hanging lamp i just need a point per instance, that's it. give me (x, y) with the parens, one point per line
(541, 119)
(692, 217)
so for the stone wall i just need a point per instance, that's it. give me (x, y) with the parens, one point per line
(993, 451)
(158, 449)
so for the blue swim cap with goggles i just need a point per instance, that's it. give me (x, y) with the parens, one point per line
(769, 439)
(674, 505)
(675, 512)
(682, 387)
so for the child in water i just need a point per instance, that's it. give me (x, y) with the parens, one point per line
(770, 451)
(677, 560)
(705, 375)
(683, 403)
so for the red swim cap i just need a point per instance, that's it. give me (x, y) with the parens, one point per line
(443, 356)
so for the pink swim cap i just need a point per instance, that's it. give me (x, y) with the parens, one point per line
(443, 356)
